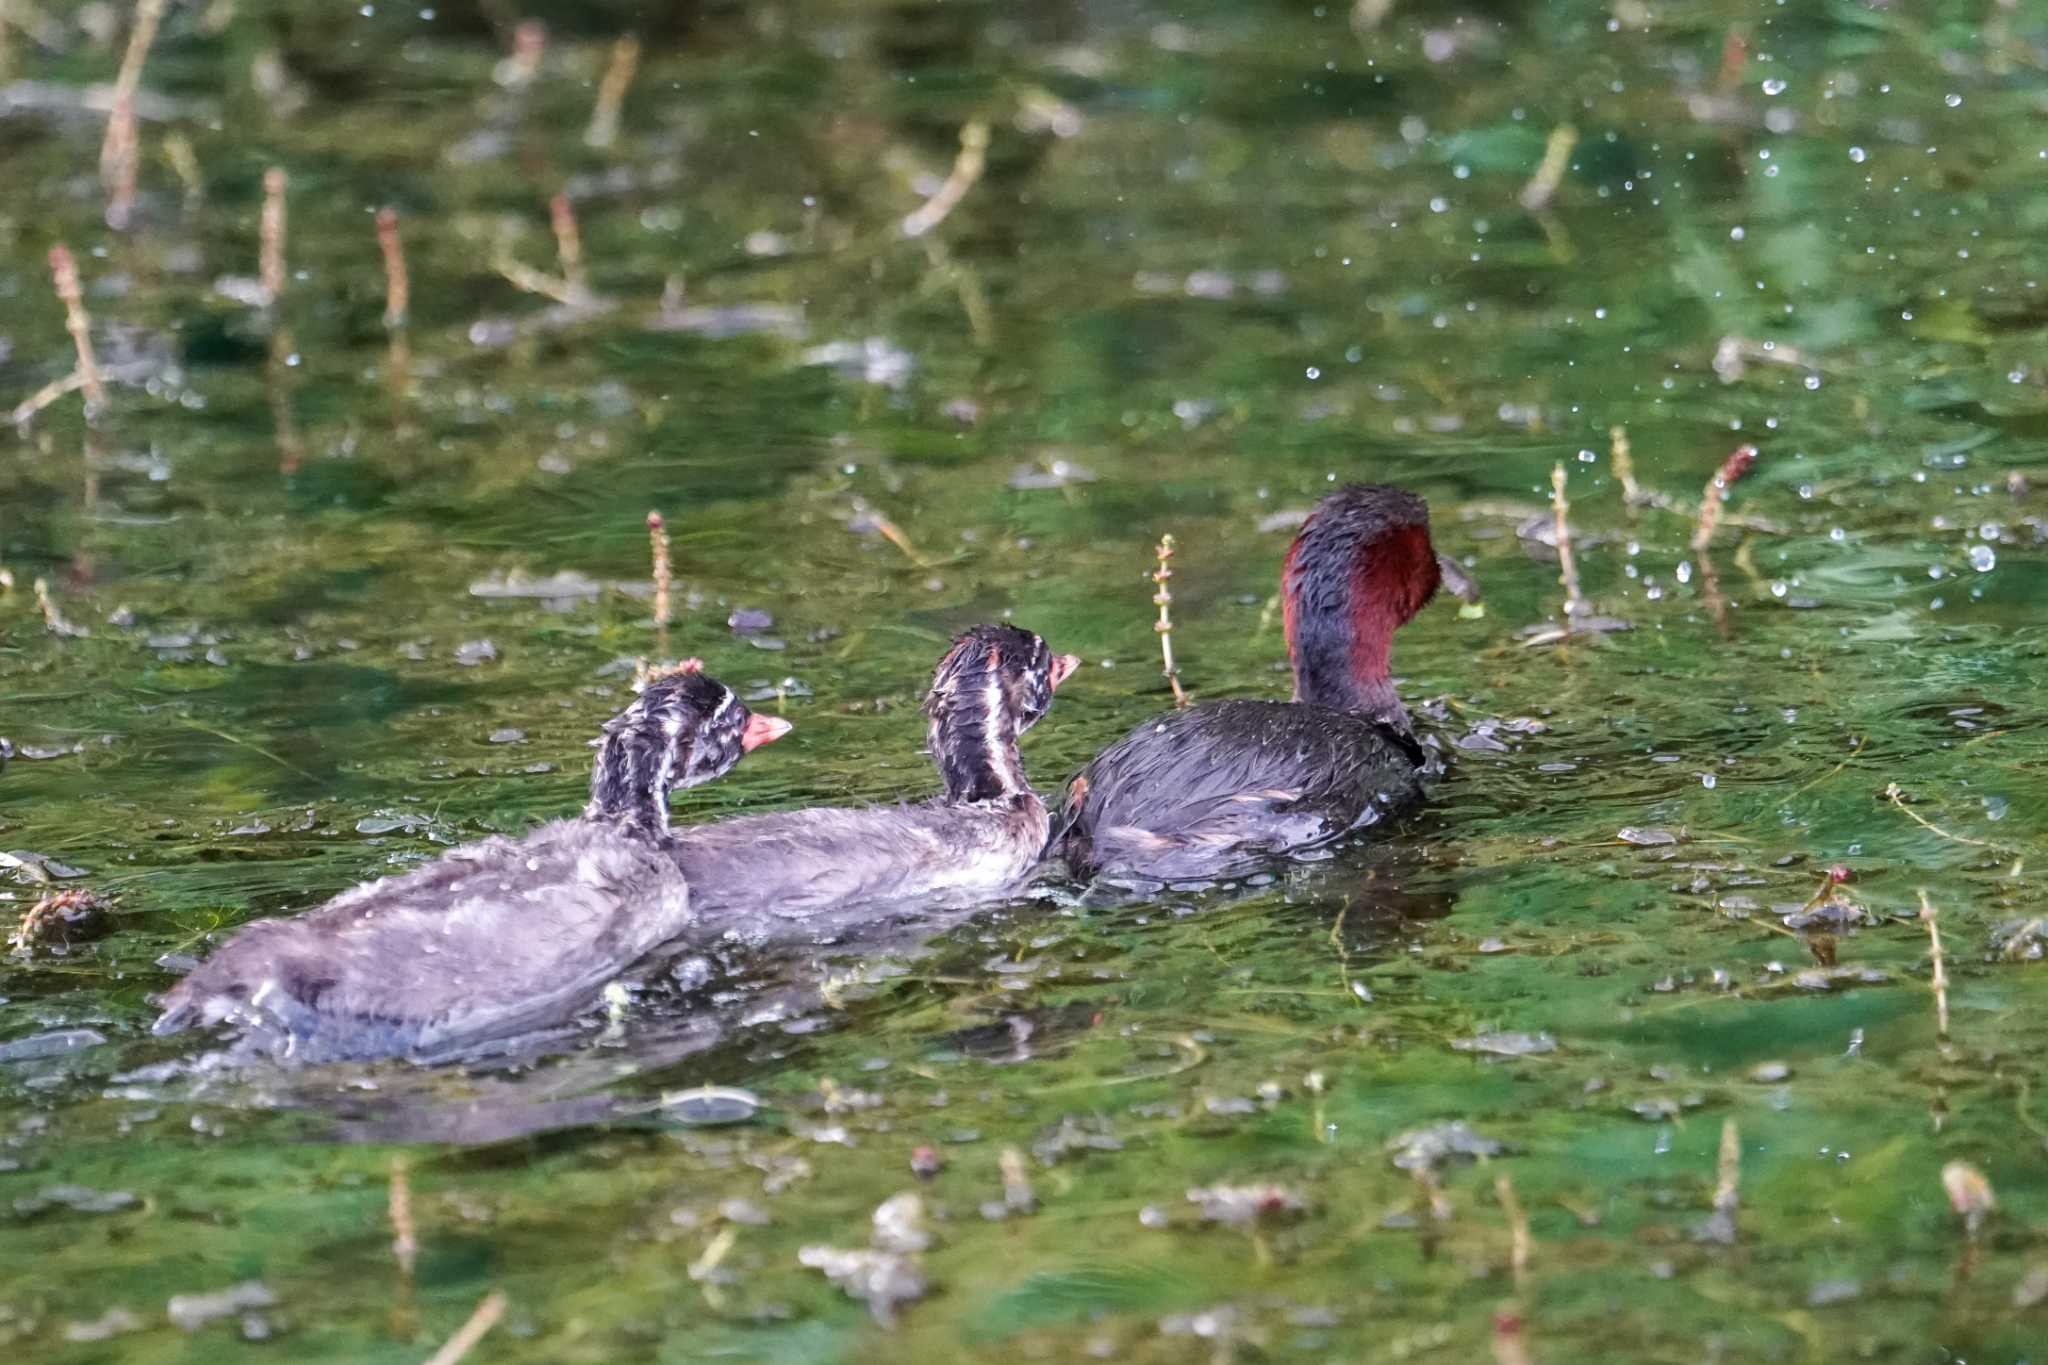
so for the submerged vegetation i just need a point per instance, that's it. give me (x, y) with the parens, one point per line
(348, 348)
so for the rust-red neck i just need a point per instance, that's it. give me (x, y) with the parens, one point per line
(1360, 568)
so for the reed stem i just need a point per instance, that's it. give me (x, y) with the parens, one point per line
(397, 284)
(184, 163)
(270, 260)
(1567, 564)
(568, 245)
(69, 382)
(1017, 1194)
(1897, 796)
(657, 536)
(967, 168)
(1163, 599)
(529, 45)
(488, 1311)
(1727, 1186)
(1508, 1346)
(868, 516)
(119, 149)
(404, 1243)
(611, 92)
(1927, 917)
(1624, 464)
(53, 619)
(1738, 463)
(1969, 1194)
(1518, 1230)
(64, 272)
(1557, 153)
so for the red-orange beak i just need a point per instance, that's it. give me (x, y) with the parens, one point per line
(1063, 666)
(762, 730)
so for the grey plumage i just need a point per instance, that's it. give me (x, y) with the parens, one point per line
(1210, 791)
(761, 877)
(758, 876)
(496, 938)
(492, 940)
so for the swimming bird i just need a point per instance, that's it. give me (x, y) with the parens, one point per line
(496, 938)
(980, 835)
(1207, 791)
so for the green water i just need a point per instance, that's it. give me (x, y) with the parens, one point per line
(1220, 256)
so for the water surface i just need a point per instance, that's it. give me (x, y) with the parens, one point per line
(1219, 258)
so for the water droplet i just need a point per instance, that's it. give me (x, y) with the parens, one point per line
(1983, 558)
(1858, 155)
(1707, 781)
(1774, 87)
(1314, 373)
(1684, 571)
(1813, 381)
(1952, 101)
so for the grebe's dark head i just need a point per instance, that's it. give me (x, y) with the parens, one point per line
(684, 729)
(1360, 568)
(995, 683)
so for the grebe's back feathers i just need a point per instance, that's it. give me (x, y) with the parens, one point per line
(487, 942)
(1196, 794)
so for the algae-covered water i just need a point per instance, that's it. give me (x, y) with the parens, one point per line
(1213, 259)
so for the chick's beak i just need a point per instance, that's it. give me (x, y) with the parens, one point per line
(1063, 666)
(762, 730)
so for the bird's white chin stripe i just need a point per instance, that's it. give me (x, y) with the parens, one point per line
(658, 794)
